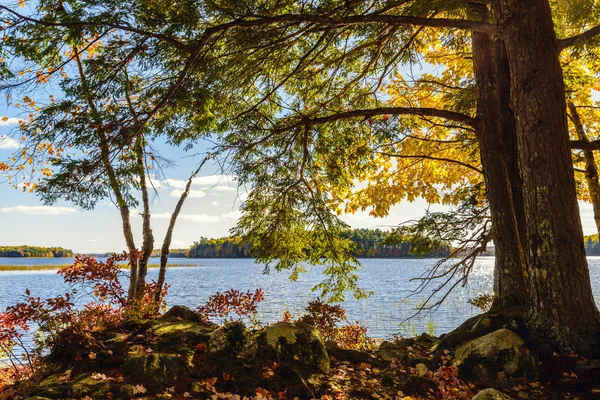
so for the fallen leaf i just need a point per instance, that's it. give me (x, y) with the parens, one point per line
(187, 394)
(98, 377)
(201, 348)
(92, 356)
(262, 393)
(139, 389)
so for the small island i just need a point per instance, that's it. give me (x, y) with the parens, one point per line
(34, 251)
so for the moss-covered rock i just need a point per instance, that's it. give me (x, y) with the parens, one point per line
(233, 339)
(491, 394)
(496, 359)
(154, 368)
(55, 387)
(389, 351)
(182, 313)
(297, 343)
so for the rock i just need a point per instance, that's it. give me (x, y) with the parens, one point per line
(422, 369)
(55, 387)
(491, 394)
(233, 339)
(155, 368)
(354, 356)
(389, 351)
(498, 358)
(183, 313)
(297, 343)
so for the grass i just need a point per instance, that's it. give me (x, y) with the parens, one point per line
(58, 266)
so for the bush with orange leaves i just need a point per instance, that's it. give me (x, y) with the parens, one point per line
(332, 322)
(101, 304)
(232, 305)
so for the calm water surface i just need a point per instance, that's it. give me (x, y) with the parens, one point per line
(384, 313)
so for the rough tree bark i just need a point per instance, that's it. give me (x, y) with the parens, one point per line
(562, 315)
(498, 148)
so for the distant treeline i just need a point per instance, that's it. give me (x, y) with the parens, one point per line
(370, 243)
(592, 247)
(34, 251)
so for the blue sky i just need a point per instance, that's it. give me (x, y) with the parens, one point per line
(211, 210)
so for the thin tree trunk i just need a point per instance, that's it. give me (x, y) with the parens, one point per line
(562, 316)
(591, 171)
(497, 144)
(148, 238)
(112, 179)
(164, 252)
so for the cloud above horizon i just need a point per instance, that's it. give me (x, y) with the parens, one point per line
(218, 182)
(7, 143)
(38, 210)
(194, 194)
(232, 216)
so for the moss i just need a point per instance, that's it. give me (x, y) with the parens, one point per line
(154, 368)
(499, 357)
(82, 385)
(233, 338)
(491, 394)
(297, 343)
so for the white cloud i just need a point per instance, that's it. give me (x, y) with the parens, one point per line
(93, 240)
(212, 180)
(223, 189)
(38, 210)
(202, 217)
(175, 183)
(194, 194)
(216, 203)
(9, 121)
(243, 196)
(8, 143)
(232, 215)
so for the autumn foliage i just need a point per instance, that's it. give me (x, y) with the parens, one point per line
(95, 301)
(232, 305)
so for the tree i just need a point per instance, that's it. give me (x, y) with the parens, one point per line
(91, 142)
(299, 86)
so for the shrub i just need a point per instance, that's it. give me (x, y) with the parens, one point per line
(232, 305)
(59, 320)
(331, 321)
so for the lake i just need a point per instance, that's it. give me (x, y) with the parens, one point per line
(384, 313)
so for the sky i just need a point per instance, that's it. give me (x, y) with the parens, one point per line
(211, 210)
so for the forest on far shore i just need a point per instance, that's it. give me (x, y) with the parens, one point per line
(34, 251)
(370, 243)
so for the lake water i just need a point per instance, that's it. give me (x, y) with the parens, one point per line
(384, 313)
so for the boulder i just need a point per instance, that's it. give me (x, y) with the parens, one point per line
(233, 339)
(491, 394)
(296, 343)
(183, 313)
(497, 359)
(389, 351)
(154, 368)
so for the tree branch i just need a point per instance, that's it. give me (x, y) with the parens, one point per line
(585, 145)
(423, 112)
(582, 37)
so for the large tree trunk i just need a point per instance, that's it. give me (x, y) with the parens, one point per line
(498, 148)
(562, 315)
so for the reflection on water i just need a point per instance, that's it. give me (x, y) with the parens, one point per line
(384, 312)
